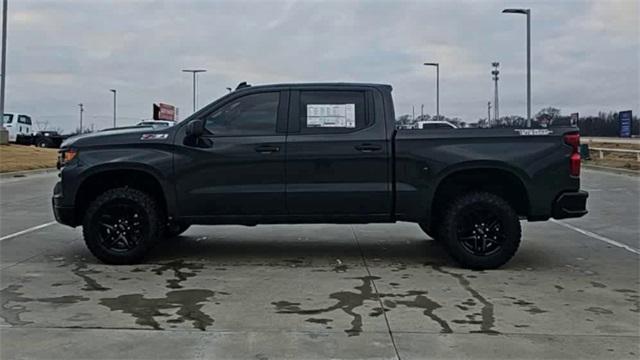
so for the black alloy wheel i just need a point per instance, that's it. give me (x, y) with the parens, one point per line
(480, 230)
(122, 224)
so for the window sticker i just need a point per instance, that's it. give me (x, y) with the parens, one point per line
(331, 115)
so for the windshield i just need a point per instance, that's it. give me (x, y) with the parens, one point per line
(8, 118)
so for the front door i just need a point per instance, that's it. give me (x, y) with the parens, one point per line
(237, 167)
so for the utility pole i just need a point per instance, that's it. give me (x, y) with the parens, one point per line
(413, 111)
(489, 113)
(114, 106)
(437, 65)
(495, 72)
(422, 112)
(194, 72)
(81, 111)
(4, 134)
(526, 12)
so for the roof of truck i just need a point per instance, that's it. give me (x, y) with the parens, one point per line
(242, 87)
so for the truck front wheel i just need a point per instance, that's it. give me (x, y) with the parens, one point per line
(480, 230)
(121, 225)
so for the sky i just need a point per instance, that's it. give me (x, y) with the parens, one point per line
(585, 54)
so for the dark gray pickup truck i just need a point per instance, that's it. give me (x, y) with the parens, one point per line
(316, 153)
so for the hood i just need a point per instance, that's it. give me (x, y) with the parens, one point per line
(119, 136)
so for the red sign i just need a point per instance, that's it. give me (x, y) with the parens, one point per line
(164, 112)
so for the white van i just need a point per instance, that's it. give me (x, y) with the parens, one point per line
(17, 124)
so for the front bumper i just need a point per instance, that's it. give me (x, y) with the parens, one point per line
(570, 205)
(64, 214)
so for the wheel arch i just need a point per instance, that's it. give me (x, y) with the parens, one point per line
(138, 176)
(494, 177)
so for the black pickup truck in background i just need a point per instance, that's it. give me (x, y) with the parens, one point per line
(316, 153)
(42, 139)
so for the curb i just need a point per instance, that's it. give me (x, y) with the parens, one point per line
(24, 173)
(612, 170)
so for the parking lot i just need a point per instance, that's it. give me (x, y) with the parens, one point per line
(322, 291)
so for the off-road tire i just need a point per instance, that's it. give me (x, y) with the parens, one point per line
(461, 211)
(149, 233)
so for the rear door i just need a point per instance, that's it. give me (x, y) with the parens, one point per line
(237, 167)
(337, 155)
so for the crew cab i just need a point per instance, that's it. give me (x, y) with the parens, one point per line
(316, 153)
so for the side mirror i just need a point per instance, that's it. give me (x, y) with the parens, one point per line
(195, 128)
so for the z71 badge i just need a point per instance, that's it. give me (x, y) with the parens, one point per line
(154, 136)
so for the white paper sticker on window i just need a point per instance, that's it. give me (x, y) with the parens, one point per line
(331, 115)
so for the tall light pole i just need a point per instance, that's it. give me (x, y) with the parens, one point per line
(495, 72)
(114, 106)
(81, 111)
(528, 13)
(4, 134)
(437, 88)
(489, 113)
(194, 72)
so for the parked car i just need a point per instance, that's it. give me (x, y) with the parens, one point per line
(436, 124)
(156, 123)
(17, 124)
(42, 139)
(316, 153)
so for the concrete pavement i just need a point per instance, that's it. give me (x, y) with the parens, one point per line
(321, 291)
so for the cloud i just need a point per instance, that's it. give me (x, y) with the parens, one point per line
(61, 53)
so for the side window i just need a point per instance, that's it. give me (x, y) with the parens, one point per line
(23, 119)
(332, 111)
(254, 114)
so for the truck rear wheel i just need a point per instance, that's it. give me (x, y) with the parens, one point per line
(121, 225)
(480, 230)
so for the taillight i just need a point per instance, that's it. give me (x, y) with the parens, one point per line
(573, 139)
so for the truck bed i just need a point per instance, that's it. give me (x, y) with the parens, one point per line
(424, 158)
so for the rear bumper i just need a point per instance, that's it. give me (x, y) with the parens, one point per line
(570, 205)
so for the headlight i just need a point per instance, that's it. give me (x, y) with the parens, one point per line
(65, 156)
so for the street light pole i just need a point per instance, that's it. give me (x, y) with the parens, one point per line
(81, 111)
(437, 65)
(4, 134)
(489, 113)
(194, 72)
(526, 12)
(114, 106)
